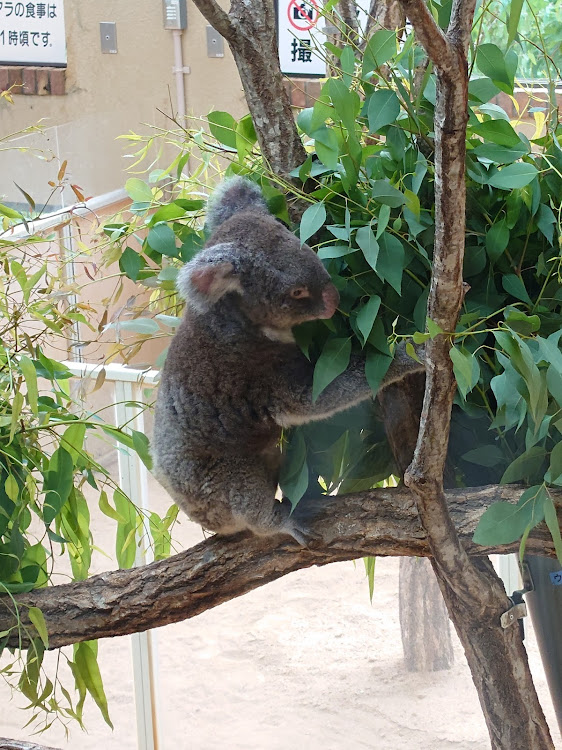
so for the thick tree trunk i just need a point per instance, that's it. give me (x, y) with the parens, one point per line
(473, 593)
(424, 621)
(379, 522)
(250, 30)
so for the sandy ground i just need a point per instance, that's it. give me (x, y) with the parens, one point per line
(305, 662)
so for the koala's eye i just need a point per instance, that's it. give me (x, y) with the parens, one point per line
(300, 292)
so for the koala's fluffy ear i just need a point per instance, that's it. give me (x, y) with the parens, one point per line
(208, 277)
(233, 195)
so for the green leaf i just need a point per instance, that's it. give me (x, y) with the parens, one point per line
(10, 213)
(223, 127)
(554, 473)
(466, 369)
(521, 323)
(551, 519)
(366, 240)
(546, 221)
(331, 363)
(487, 455)
(504, 523)
(146, 326)
(390, 263)
(245, 137)
(141, 444)
(497, 131)
(294, 470)
(380, 48)
(383, 192)
(501, 154)
(376, 367)
(515, 8)
(514, 176)
(126, 531)
(131, 263)
(347, 62)
(346, 103)
(367, 315)
(37, 619)
(85, 661)
(30, 374)
(382, 109)
(138, 190)
(525, 466)
(107, 509)
(497, 238)
(490, 60)
(335, 251)
(514, 285)
(327, 147)
(168, 320)
(58, 483)
(369, 563)
(72, 440)
(482, 89)
(162, 240)
(312, 219)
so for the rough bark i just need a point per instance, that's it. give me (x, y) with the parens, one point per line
(424, 621)
(250, 30)
(387, 14)
(380, 522)
(6, 744)
(473, 593)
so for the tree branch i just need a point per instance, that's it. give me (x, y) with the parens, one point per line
(6, 744)
(428, 33)
(460, 25)
(473, 593)
(380, 522)
(217, 17)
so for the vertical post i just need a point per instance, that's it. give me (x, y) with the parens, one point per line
(133, 481)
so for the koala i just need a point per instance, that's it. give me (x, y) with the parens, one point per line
(234, 376)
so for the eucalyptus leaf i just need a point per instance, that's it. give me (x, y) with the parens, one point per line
(331, 363)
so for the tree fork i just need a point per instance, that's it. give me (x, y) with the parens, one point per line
(473, 593)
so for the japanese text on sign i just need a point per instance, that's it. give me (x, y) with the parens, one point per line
(300, 32)
(32, 33)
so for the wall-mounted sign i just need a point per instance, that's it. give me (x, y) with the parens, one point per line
(32, 33)
(300, 30)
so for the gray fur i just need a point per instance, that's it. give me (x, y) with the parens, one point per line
(242, 194)
(234, 376)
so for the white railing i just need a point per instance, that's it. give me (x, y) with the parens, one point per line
(132, 472)
(127, 383)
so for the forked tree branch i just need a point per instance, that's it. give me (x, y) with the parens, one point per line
(473, 593)
(380, 522)
(217, 17)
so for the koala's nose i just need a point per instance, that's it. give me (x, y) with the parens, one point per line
(331, 299)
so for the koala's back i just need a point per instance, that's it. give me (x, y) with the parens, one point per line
(215, 391)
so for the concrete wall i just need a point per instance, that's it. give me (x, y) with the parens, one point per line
(110, 94)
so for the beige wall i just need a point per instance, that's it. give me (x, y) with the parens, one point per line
(110, 94)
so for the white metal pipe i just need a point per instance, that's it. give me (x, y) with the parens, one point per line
(62, 215)
(133, 481)
(114, 371)
(179, 71)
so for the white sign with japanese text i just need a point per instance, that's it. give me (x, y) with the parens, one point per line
(32, 33)
(301, 36)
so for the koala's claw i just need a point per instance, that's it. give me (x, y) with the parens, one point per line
(300, 533)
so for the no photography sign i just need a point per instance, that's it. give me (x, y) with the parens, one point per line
(301, 35)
